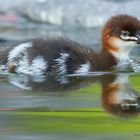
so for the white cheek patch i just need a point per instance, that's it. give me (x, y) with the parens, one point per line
(124, 45)
(129, 38)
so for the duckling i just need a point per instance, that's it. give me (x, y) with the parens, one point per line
(58, 55)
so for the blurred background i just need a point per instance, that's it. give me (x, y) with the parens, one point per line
(79, 20)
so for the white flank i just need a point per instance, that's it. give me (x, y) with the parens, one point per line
(61, 63)
(23, 65)
(19, 57)
(18, 50)
(37, 67)
(83, 68)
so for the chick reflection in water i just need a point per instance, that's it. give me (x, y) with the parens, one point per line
(118, 96)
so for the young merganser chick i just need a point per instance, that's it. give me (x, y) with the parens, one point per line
(63, 56)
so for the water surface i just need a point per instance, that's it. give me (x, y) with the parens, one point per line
(100, 106)
(81, 107)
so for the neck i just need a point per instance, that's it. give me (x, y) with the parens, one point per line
(120, 54)
(122, 59)
(101, 61)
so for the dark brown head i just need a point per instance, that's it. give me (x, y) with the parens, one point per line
(121, 33)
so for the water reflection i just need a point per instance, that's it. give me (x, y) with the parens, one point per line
(118, 95)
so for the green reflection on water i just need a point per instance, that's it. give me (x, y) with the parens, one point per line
(93, 120)
(79, 120)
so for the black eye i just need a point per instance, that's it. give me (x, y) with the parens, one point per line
(125, 34)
